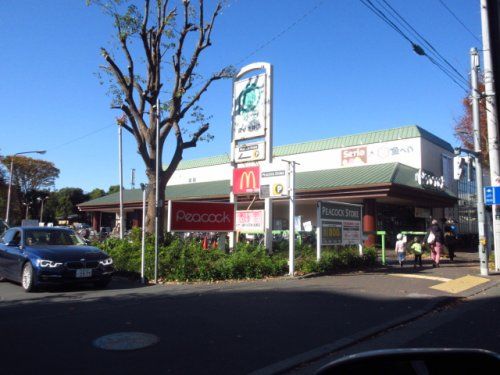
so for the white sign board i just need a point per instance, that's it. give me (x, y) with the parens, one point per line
(250, 152)
(249, 108)
(29, 223)
(250, 221)
(274, 181)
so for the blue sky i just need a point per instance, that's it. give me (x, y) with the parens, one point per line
(338, 71)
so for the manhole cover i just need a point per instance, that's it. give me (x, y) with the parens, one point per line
(126, 341)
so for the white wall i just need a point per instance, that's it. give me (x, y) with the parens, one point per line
(432, 157)
(405, 151)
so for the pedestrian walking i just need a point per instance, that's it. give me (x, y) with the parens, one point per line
(435, 239)
(450, 241)
(400, 248)
(416, 248)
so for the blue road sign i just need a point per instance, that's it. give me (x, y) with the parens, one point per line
(491, 195)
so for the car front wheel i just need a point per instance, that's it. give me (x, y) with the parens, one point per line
(28, 278)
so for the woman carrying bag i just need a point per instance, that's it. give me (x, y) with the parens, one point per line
(435, 240)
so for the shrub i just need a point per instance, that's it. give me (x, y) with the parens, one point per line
(185, 260)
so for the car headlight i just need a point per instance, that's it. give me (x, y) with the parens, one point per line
(106, 262)
(47, 263)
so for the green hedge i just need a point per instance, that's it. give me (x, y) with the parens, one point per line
(185, 260)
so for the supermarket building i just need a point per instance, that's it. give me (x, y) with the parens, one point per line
(402, 177)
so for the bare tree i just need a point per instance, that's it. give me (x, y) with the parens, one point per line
(168, 55)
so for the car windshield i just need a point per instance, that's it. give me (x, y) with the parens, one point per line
(40, 237)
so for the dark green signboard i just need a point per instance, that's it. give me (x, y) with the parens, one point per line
(340, 223)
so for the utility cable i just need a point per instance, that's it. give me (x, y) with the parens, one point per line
(282, 32)
(424, 40)
(80, 138)
(453, 74)
(459, 21)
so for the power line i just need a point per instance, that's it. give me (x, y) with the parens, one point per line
(447, 69)
(262, 46)
(459, 21)
(425, 41)
(80, 138)
(284, 31)
(384, 18)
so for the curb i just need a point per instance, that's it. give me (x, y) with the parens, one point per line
(324, 350)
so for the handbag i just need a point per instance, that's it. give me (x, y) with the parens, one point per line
(431, 238)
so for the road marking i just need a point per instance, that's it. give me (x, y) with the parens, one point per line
(412, 276)
(461, 284)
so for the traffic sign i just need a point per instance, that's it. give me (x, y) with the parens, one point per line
(491, 195)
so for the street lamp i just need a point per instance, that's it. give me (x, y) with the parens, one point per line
(28, 205)
(41, 208)
(10, 179)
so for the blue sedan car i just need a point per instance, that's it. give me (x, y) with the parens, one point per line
(36, 256)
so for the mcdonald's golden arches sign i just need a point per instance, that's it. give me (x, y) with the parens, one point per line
(246, 180)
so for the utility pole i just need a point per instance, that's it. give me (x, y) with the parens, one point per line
(157, 186)
(291, 218)
(120, 172)
(491, 110)
(144, 188)
(475, 97)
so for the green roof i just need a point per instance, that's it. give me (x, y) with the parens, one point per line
(187, 191)
(394, 173)
(405, 132)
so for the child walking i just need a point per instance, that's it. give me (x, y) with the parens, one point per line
(416, 247)
(400, 248)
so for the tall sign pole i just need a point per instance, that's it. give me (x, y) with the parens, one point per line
(491, 111)
(268, 205)
(252, 118)
(475, 96)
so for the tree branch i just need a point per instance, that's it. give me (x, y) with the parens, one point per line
(203, 42)
(196, 136)
(115, 70)
(204, 88)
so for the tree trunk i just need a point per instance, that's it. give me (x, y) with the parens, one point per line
(151, 209)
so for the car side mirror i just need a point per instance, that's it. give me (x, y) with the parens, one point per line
(13, 243)
(415, 361)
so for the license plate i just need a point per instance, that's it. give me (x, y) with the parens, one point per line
(84, 272)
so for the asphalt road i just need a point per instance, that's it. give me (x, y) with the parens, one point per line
(223, 328)
(468, 323)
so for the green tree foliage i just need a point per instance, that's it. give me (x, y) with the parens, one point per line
(63, 202)
(96, 193)
(113, 189)
(30, 178)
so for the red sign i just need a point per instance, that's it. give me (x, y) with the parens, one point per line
(354, 156)
(246, 180)
(201, 217)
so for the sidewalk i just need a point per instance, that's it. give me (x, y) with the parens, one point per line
(394, 281)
